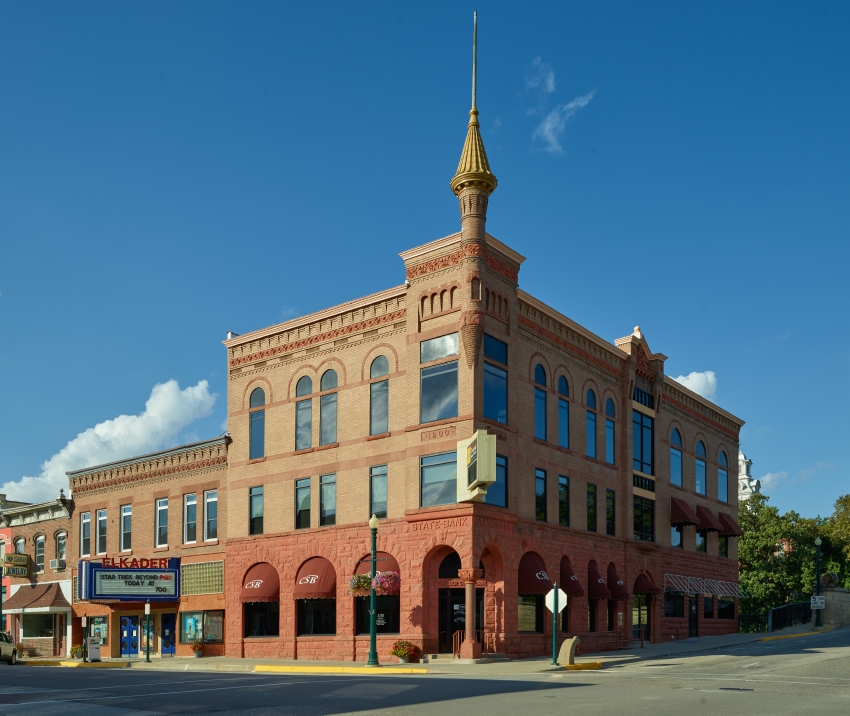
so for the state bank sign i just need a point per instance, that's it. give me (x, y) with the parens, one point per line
(129, 580)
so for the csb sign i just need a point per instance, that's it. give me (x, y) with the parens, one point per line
(158, 582)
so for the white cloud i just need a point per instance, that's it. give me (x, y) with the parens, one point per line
(167, 412)
(542, 77)
(551, 129)
(771, 479)
(703, 383)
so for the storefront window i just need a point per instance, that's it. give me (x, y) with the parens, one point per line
(38, 625)
(387, 614)
(208, 626)
(530, 613)
(674, 604)
(316, 616)
(214, 627)
(262, 618)
(725, 608)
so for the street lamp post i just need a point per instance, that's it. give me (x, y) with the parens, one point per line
(147, 631)
(818, 619)
(373, 648)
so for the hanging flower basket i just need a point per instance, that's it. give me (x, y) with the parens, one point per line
(387, 583)
(360, 585)
(830, 579)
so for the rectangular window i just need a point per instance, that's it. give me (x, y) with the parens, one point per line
(564, 501)
(378, 491)
(387, 614)
(302, 503)
(497, 492)
(257, 436)
(644, 519)
(161, 533)
(609, 441)
(39, 554)
(674, 604)
(676, 537)
(437, 348)
(214, 627)
(261, 619)
(610, 513)
(316, 616)
(304, 424)
(700, 476)
(702, 541)
(438, 479)
(675, 467)
(85, 534)
(208, 626)
(563, 423)
(591, 508)
(722, 485)
(540, 495)
(327, 419)
(255, 510)
(591, 434)
(438, 392)
(722, 546)
(37, 626)
(126, 528)
(100, 531)
(379, 407)
(327, 500)
(540, 431)
(530, 613)
(642, 428)
(725, 608)
(707, 607)
(495, 350)
(495, 380)
(60, 546)
(211, 515)
(190, 518)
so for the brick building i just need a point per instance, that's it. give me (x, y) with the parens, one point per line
(153, 507)
(358, 409)
(38, 608)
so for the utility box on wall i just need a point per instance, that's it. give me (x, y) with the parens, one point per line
(476, 466)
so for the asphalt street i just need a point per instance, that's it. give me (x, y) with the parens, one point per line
(808, 675)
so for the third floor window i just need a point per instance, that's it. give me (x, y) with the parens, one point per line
(495, 379)
(438, 383)
(642, 428)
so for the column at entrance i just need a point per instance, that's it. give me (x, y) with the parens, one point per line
(470, 648)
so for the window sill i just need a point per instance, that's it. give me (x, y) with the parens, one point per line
(436, 423)
(161, 548)
(256, 459)
(497, 424)
(327, 447)
(379, 436)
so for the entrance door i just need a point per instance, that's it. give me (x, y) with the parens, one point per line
(130, 636)
(641, 627)
(167, 623)
(693, 618)
(453, 615)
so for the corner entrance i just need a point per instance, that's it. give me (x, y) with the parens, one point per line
(453, 615)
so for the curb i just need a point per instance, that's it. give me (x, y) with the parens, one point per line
(792, 636)
(587, 666)
(374, 671)
(80, 664)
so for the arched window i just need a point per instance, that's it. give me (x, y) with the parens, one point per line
(540, 431)
(590, 442)
(19, 545)
(675, 458)
(722, 477)
(563, 413)
(61, 540)
(39, 553)
(379, 397)
(328, 409)
(303, 414)
(257, 424)
(700, 468)
(449, 566)
(610, 430)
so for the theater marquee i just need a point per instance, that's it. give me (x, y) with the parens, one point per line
(103, 581)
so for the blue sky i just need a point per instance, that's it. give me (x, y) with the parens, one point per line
(168, 170)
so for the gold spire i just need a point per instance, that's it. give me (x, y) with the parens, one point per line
(474, 169)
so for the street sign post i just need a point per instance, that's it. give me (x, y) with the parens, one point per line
(819, 602)
(555, 601)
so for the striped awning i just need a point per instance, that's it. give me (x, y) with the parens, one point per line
(700, 585)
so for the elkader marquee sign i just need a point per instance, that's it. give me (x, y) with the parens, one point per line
(129, 580)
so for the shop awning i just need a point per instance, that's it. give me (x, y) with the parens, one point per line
(261, 584)
(730, 526)
(616, 585)
(596, 588)
(533, 578)
(315, 580)
(569, 582)
(385, 563)
(707, 520)
(644, 585)
(681, 513)
(46, 597)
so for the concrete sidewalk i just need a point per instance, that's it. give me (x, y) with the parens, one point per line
(448, 665)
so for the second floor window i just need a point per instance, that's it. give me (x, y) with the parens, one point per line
(378, 491)
(39, 553)
(100, 531)
(700, 468)
(495, 379)
(255, 510)
(379, 396)
(126, 528)
(497, 492)
(190, 518)
(211, 515)
(85, 534)
(438, 383)
(722, 478)
(676, 537)
(61, 540)
(563, 413)
(161, 532)
(20, 546)
(328, 409)
(591, 424)
(675, 458)
(302, 503)
(702, 541)
(564, 501)
(438, 479)
(591, 508)
(642, 427)
(722, 546)
(610, 513)
(540, 427)
(540, 495)
(609, 431)
(304, 414)
(257, 425)
(327, 500)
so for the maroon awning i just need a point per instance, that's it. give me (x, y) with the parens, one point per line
(533, 578)
(385, 563)
(616, 585)
(596, 588)
(315, 580)
(681, 513)
(730, 526)
(569, 582)
(707, 520)
(644, 585)
(261, 584)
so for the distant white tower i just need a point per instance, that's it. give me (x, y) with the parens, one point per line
(746, 484)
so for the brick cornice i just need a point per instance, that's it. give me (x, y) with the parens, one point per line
(153, 474)
(454, 258)
(548, 335)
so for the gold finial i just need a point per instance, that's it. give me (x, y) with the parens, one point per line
(474, 169)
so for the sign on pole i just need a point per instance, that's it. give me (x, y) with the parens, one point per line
(819, 602)
(550, 600)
